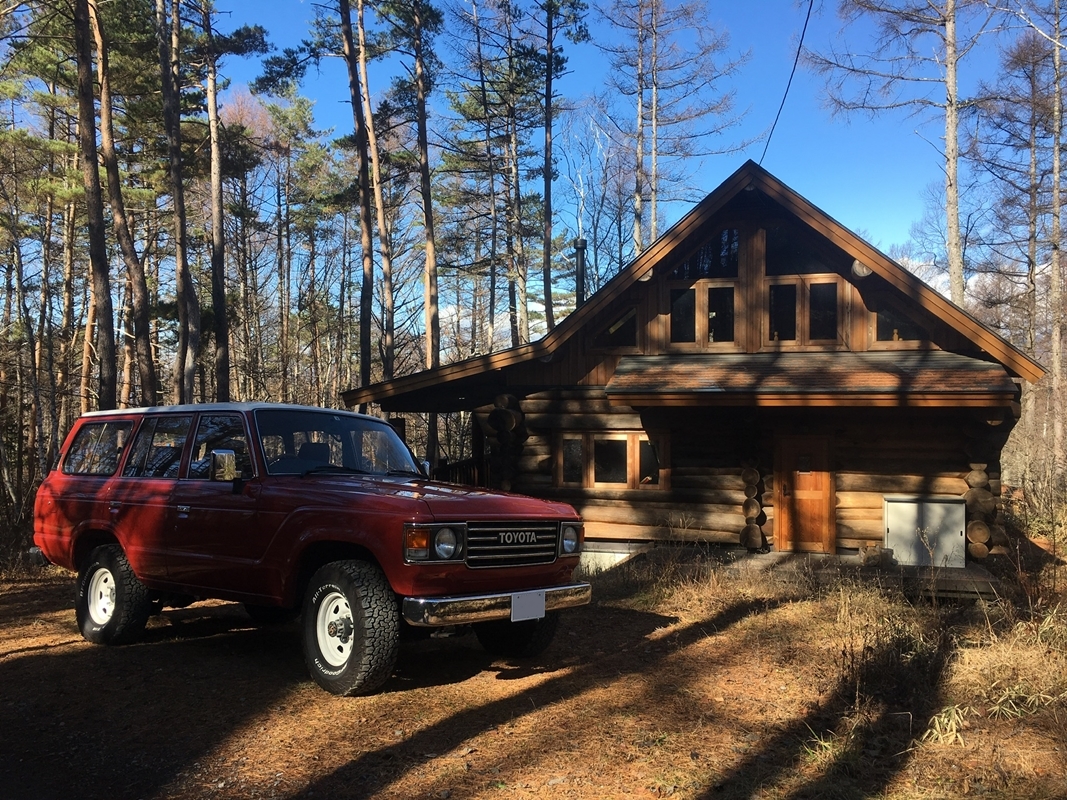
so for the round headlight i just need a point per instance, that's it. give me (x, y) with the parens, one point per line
(445, 543)
(570, 539)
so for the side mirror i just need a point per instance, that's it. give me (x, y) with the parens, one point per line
(425, 468)
(224, 465)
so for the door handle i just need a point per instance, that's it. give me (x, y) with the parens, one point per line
(183, 509)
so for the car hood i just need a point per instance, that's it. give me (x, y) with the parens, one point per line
(446, 501)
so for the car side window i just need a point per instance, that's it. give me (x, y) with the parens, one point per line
(157, 449)
(219, 432)
(97, 447)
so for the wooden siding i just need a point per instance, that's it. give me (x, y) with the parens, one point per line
(717, 484)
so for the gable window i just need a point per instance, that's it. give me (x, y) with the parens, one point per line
(782, 314)
(822, 311)
(615, 460)
(716, 258)
(620, 333)
(892, 326)
(804, 311)
(683, 315)
(720, 314)
(701, 294)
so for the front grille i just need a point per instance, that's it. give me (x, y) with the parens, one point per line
(511, 544)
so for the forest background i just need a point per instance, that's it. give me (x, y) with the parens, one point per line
(168, 238)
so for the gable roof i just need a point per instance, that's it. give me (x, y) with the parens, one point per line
(748, 175)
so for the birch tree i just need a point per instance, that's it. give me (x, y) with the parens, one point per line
(911, 64)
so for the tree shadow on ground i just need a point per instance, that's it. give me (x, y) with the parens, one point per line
(859, 737)
(371, 772)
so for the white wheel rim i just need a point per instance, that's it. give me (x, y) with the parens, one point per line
(333, 629)
(102, 596)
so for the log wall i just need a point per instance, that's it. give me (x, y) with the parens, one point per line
(719, 483)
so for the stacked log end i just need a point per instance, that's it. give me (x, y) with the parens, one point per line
(984, 534)
(752, 534)
(509, 424)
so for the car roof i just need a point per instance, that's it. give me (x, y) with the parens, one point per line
(218, 407)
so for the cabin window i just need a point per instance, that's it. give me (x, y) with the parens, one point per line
(804, 311)
(573, 460)
(620, 333)
(795, 250)
(892, 326)
(783, 313)
(683, 315)
(720, 314)
(716, 258)
(609, 460)
(822, 311)
(616, 460)
(702, 314)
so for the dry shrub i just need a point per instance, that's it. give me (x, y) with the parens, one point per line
(1018, 670)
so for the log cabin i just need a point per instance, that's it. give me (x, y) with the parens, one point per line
(759, 376)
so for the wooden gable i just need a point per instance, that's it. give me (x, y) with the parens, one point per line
(753, 269)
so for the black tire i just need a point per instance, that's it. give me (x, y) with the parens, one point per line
(518, 639)
(112, 606)
(269, 615)
(351, 628)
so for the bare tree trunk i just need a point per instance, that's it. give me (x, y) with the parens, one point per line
(218, 234)
(366, 296)
(653, 178)
(954, 244)
(94, 201)
(546, 246)
(282, 256)
(66, 321)
(385, 237)
(639, 133)
(433, 319)
(1056, 270)
(494, 223)
(120, 222)
(188, 304)
(87, 353)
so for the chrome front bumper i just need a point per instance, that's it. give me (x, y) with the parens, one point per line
(438, 611)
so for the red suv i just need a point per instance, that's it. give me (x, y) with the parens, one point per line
(291, 509)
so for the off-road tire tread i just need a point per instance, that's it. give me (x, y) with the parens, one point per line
(376, 622)
(518, 639)
(133, 601)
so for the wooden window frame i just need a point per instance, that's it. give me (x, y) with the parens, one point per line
(874, 343)
(640, 322)
(803, 312)
(700, 287)
(633, 441)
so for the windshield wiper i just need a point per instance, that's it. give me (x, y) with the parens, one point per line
(324, 468)
(400, 473)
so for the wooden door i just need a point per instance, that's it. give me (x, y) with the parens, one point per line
(804, 495)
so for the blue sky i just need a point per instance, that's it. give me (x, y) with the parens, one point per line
(868, 174)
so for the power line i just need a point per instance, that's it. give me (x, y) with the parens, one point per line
(800, 48)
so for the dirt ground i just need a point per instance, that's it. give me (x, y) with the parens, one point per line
(697, 683)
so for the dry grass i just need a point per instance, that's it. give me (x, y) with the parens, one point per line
(687, 678)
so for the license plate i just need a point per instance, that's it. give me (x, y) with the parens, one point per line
(527, 605)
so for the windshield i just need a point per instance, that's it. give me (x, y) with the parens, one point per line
(297, 442)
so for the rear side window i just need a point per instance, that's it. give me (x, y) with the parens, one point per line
(157, 450)
(97, 448)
